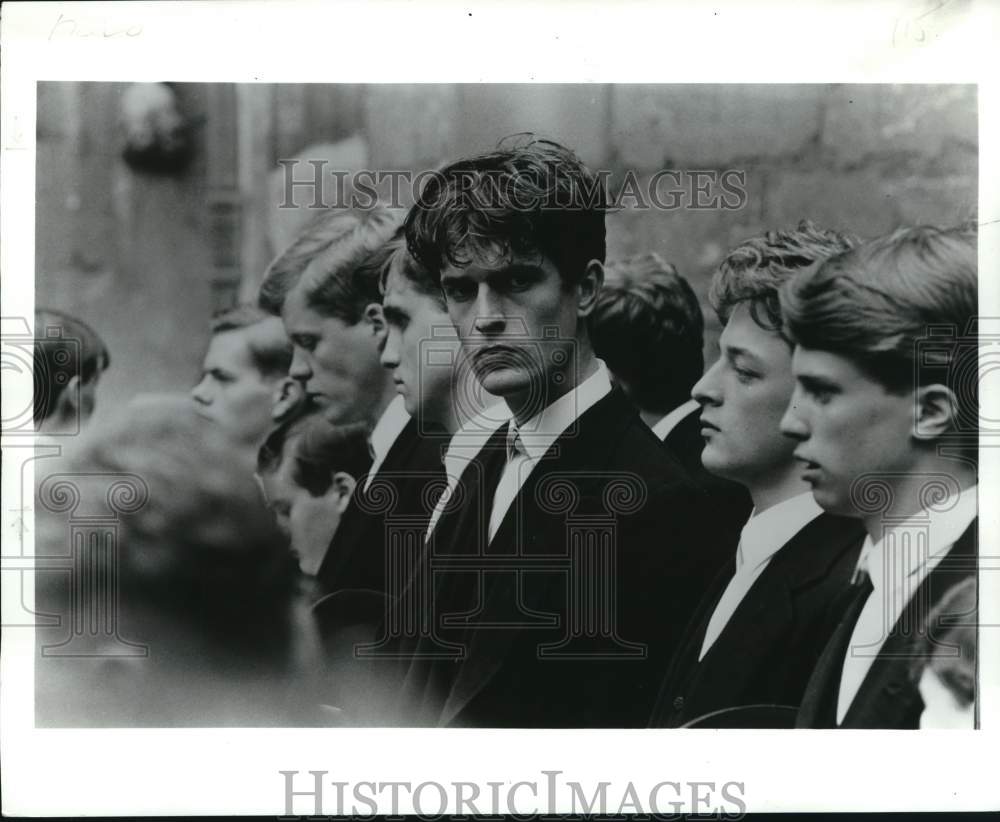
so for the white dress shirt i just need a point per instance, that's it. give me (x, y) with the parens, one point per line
(389, 426)
(897, 564)
(663, 428)
(528, 443)
(462, 448)
(762, 537)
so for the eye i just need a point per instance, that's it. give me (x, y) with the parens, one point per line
(458, 291)
(305, 342)
(745, 376)
(820, 395)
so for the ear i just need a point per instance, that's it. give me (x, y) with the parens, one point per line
(589, 288)
(343, 485)
(937, 412)
(375, 318)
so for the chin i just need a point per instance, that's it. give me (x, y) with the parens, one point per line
(833, 503)
(714, 463)
(503, 382)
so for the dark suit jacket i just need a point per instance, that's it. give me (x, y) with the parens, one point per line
(730, 502)
(398, 499)
(531, 635)
(888, 697)
(770, 645)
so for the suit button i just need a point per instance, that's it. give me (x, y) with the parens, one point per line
(679, 703)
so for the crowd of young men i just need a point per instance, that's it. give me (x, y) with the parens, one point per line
(562, 519)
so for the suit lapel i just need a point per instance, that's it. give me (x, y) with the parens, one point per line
(768, 610)
(524, 530)
(888, 696)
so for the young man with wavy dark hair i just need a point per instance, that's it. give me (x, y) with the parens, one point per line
(886, 420)
(516, 239)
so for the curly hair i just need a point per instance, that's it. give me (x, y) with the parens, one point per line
(529, 196)
(757, 268)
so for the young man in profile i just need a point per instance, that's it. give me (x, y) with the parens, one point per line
(649, 329)
(283, 273)
(516, 238)
(333, 316)
(246, 361)
(885, 414)
(430, 370)
(752, 645)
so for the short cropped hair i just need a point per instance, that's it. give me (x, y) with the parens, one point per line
(344, 280)
(755, 270)
(319, 450)
(529, 196)
(271, 357)
(648, 327)
(65, 346)
(403, 264)
(329, 227)
(901, 307)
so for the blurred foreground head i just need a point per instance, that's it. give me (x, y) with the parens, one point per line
(204, 580)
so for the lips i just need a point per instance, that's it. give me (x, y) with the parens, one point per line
(496, 351)
(810, 470)
(708, 428)
(808, 463)
(499, 358)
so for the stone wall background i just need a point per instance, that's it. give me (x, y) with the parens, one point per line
(147, 258)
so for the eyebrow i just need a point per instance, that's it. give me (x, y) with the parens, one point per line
(505, 273)
(812, 381)
(394, 314)
(734, 351)
(515, 269)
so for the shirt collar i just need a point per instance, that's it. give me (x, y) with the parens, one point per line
(769, 530)
(388, 427)
(663, 428)
(944, 524)
(538, 433)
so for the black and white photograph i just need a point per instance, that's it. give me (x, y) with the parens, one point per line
(479, 411)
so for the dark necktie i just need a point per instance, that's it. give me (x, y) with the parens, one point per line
(461, 530)
(819, 706)
(464, 526)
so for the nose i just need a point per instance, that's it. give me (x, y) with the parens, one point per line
(489, 317)
(200, 393)
(793, 423)
(389, 355)
(707, 390)
(299, 369)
